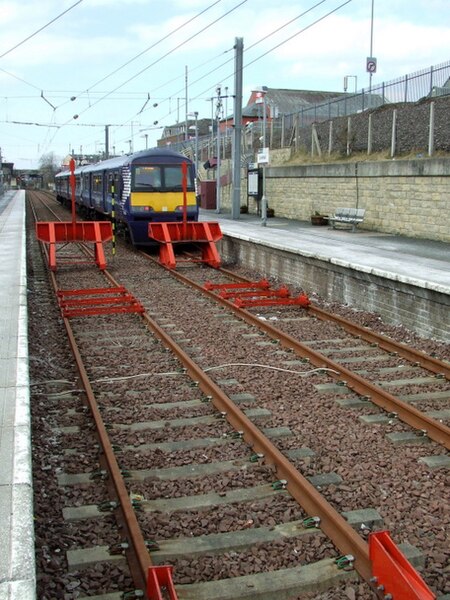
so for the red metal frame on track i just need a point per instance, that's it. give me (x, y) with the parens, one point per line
(392, 573)
(160, 577)
(102, 301)
(257, 293)
(202, 234)
(61, 232)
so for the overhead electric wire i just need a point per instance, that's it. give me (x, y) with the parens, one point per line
(165, 55)
(41, 29)
(302, 14)
(154, 45)
(152, 64)
(274, 47)
(299, 32)
(230, 59)
(226, 62)
(271, 49)
(283, 42)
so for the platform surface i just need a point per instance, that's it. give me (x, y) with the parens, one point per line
(418, 262)
(17, 563)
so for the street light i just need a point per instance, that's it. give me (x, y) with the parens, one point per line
(371, 61)
(261, 99)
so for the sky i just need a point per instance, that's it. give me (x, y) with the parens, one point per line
(125, 63)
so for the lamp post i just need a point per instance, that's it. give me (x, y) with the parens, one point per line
(261, 99)
(218, 113)
(371, 64)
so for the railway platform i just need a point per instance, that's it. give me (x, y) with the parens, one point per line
(403, 279)
(17, 563)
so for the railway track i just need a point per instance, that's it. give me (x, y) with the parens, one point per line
(207, 484)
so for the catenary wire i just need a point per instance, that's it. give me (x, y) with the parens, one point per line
(255, 44)
(153, 45)
(281, 43)
(152, 64)
(41, 28)
(251, 62)
(165, 55)
(230, 59)
(273, 48)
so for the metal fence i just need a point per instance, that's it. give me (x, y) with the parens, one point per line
(281, 132)
(427, 83)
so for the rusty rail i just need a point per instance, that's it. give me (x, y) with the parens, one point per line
(435, 430)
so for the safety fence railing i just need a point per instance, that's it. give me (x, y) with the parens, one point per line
(289, 129)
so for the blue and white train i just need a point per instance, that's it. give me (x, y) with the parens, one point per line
(137, 189)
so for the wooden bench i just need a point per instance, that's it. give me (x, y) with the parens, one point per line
(347, 216)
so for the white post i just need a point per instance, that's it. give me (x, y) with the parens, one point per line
(264, 198)
(394, 132)
(349, 133)
(330, 138)
(218, 109)
(196, 143)
(431, 131)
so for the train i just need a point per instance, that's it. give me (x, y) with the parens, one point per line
(147, 187)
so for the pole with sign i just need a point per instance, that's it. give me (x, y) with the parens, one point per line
(263, 159)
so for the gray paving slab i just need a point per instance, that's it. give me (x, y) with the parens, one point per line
(17, 564)
(424, 263)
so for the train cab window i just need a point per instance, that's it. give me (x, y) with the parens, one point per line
(173, 178)
(147, 178)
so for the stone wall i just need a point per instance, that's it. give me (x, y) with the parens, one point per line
(405, 197)
(422, 310)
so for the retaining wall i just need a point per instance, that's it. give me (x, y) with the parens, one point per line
(405, 197)
(421, 310)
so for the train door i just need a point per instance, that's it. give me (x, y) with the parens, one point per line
(97, 191)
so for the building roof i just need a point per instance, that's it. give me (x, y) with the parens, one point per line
(286, 101)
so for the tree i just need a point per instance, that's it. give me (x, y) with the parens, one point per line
(49, 165)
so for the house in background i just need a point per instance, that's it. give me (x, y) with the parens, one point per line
(176, 134)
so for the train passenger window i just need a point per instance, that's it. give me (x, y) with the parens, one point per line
(97, 183)
(146, 178)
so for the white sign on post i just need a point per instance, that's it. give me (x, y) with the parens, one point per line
(263, 156)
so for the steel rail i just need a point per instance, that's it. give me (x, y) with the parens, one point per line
(137, 554)
(343, 536)
(426, 425)
(432, 364)
(331, 522)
